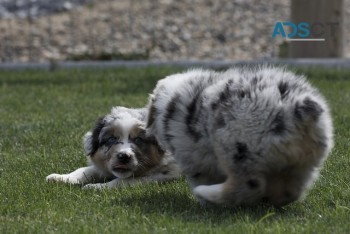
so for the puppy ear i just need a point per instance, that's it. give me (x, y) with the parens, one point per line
(87, 142)
(152, 111)
(91, 139)
(308, 110)
(152, 140)
(161, 151)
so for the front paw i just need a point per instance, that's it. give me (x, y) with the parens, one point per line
(209, 193)
(54, 178)
(62, 179)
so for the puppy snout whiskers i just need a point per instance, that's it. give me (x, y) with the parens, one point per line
(123, 158)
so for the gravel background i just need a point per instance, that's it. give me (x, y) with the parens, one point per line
(21, 8)
(42, 30)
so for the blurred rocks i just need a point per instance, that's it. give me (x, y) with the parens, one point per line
(35, 8)
(45, 30)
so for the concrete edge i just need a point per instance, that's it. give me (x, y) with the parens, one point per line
(328, 63)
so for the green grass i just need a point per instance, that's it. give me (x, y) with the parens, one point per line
(43, 116)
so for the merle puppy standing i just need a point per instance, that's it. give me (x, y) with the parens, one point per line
(245, 135)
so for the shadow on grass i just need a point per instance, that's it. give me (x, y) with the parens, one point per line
(182, 204)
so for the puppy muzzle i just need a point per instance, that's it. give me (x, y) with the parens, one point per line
(123, 157)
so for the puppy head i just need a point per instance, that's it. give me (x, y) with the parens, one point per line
(301, 144)
(277, 158)
(118, 144)
(286, 186)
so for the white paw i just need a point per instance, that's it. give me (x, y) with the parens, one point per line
(62, 178)
(211, 193)
(54, 177)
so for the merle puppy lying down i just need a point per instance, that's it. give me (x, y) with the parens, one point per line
(120, 153)
(243, 136)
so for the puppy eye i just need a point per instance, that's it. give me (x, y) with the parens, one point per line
(111, 141)
(138, 141)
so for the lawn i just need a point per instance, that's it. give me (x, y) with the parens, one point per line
(43, 117)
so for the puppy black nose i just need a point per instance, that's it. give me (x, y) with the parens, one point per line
(123, 157)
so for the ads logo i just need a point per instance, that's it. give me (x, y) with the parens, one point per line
(304, 31)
